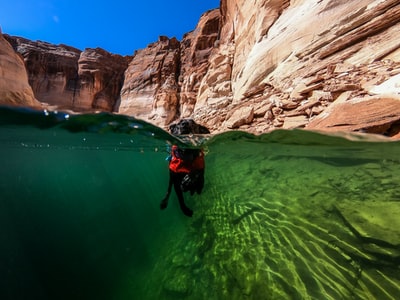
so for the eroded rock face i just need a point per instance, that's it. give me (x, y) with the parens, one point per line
(150, 89)
(52, 70)
(101, 76)
(370, 114)
(68, 78)
(291, 60)
(162, 80)
(14, 86)
(196, 48)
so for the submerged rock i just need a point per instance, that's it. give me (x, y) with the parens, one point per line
(376, 223)
(373, 221)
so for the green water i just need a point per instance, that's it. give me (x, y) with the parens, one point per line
(80, 217)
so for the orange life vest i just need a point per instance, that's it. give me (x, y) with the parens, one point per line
(179, 164)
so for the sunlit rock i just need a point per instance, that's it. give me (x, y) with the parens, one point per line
(163, 80)
(370, 114)
(376, 223)
(390, 86)
(196, 48)
(240, 117)
(150, 89)
(300, 48)
(14, 86)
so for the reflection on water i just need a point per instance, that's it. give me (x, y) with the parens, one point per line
(288, 215)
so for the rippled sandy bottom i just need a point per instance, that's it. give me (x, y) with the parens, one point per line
(270, 227)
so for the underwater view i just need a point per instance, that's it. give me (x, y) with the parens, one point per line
(284, 215)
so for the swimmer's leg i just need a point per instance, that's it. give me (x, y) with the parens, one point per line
(177, 180)
(164, 202)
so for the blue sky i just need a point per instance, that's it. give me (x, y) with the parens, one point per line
(118, 26)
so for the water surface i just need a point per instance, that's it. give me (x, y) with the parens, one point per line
(285, 215)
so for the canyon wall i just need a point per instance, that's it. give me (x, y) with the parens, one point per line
(14, 86)
(282, 63)
(69, 78)
(162, 81)
(248, 66)
(274, 64)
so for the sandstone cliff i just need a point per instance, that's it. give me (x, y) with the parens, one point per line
(162, 81)
(150, 86)
(14, 87)
(286, 62)
(68, 78)
(249, 66)
(278, 64)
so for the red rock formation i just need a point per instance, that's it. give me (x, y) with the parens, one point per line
(196, 48)
(290, 60)
(68, 78)
(101, 75)
(371, 115)
(150, 89)
(14, 86)
(162, 81)
(52, 70)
